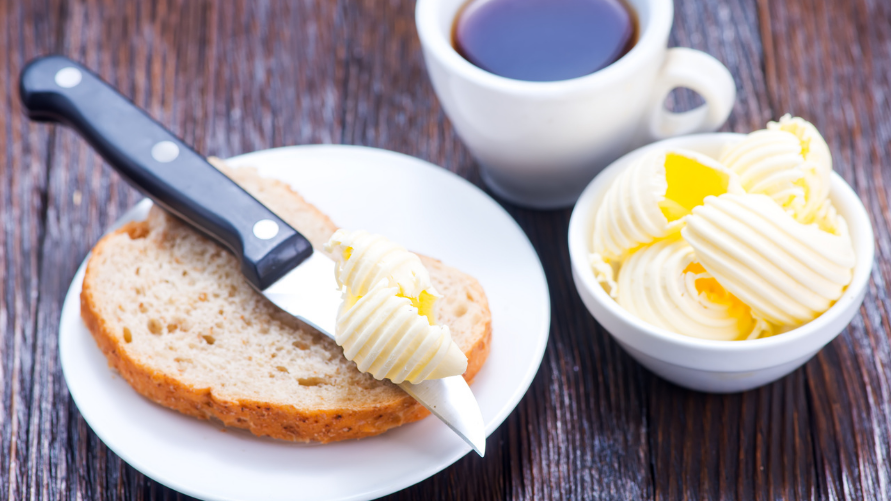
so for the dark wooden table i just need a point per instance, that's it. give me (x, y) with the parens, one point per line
(232, 77)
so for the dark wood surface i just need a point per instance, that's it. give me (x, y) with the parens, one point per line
(232, 77)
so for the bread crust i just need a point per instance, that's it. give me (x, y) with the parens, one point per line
(285, 422)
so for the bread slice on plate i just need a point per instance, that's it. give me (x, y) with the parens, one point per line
(173, 315)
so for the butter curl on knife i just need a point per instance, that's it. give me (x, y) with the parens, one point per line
(386, 322)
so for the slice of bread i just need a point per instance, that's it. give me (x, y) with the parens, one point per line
(173, 315)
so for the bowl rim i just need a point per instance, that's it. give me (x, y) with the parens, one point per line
(579, 234)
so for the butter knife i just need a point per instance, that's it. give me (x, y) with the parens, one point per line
(275, 258)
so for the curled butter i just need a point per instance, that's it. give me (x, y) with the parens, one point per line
(650, 198)
(745, 247)
(787, 272)
(386, 323)
(648, 201)
(365, 259)
(789, 162)
(386, 337)
(664, 284)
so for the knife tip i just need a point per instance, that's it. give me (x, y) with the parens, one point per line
(478, 445)
(480, 449)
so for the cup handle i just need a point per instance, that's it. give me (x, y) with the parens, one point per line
(702, 73)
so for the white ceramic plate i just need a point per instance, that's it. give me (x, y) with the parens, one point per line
(425, 208)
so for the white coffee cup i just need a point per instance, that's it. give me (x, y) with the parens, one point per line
(539, 143)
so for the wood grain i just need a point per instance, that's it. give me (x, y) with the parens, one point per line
(233, 77)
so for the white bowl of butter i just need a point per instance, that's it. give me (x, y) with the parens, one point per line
(705, 364)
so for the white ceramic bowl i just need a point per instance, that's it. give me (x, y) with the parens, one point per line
(705, 365)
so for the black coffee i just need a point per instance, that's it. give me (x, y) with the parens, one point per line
(544, 40)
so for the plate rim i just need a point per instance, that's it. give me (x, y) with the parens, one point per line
(71, 302)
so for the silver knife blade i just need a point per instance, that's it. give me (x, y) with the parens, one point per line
(451, 400)
(310, 293)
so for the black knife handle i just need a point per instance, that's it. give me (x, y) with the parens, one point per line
(151, 158)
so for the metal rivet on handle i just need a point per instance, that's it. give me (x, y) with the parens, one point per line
(265, 229)
(68, 77)
(165, 151)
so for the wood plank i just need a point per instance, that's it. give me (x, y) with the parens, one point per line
(729, 31)
(28, 29)
(833, 68)
(389, 102)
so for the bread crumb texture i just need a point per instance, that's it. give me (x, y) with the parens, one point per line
(174, 316)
